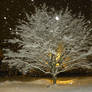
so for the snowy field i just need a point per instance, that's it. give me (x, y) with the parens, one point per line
(77, 84)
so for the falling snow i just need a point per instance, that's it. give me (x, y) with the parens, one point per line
(7, 9)
(10, 29)
(5, 18)
(57, 18)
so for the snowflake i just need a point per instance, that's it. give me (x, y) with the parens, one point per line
(57, 18)
(5, 18)
(10, 29)
(7, 9)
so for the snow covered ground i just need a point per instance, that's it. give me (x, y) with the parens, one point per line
(77, 84)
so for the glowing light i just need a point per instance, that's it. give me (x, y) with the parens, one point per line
(57, 64)
(59, 52)
(58, 56)
(57, 18)
(61, 82)
(32, 0)
(65, 82)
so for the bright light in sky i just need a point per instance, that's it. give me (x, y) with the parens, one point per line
(57, 18)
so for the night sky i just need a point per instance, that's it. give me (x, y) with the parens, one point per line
(13, 10)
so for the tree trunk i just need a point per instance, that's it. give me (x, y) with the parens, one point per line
(54, 79)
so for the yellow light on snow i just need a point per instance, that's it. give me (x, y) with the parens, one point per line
(58, 56)
(65, 82)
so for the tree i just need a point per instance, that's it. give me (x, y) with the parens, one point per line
(51, 43)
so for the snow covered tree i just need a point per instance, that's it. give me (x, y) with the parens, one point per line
(51, 42)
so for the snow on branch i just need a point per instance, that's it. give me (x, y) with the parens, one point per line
(51, 43)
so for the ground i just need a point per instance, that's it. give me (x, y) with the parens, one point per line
(71, 84)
